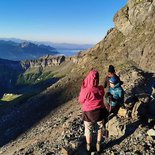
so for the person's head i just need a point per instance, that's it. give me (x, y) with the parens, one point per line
(111, 70)
(113, 81)
(92, 79)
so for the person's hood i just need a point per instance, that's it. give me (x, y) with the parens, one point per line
(91, 80)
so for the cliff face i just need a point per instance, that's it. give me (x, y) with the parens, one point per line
(136, 22)
(46, 61)
(29, 71)
(131, 41)
(137, 13)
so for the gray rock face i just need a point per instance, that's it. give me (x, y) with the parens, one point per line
(43, 62)
(136, 22)
(135, 13)
(115, 128)
(122, 22)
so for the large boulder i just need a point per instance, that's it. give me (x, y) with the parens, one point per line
(140, 109)
(115, 128)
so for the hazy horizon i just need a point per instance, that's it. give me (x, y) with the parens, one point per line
(41, 41)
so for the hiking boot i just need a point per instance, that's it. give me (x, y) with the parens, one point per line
(98, 146)
(88, 147)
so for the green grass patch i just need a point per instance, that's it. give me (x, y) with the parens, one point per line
(10, 97)
(8, 103)
(34, 78)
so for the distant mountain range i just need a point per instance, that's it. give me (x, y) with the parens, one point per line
(67, 46)
(24, 50)
(58, 46)
(18, 49)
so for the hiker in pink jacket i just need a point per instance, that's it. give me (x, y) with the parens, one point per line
(94, 112)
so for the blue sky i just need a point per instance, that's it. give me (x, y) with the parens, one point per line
(70, 21)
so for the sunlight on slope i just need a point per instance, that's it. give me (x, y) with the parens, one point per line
(10, 97)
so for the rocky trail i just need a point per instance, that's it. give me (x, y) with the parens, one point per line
(134, 134)
(62, 131)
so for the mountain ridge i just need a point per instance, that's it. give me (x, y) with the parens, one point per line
(25, 50)
(59, 46)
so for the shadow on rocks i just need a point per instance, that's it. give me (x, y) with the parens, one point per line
(130, 129)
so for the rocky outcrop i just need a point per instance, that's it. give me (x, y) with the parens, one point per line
(131, 41)
(115, 128)
(140, 109)
(136, 22)
(135, 14)
(46, 61)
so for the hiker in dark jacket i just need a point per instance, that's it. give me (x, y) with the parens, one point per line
(111, 73)
(114, 99)
(94, 111)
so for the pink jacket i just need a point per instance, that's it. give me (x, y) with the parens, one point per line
(91, 95)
